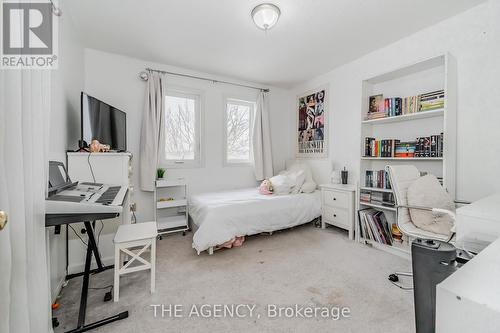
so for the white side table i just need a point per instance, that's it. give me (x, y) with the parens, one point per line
(133, 240)
(337, 206)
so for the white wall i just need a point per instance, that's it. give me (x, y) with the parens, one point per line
(473, 38)
(114, 79)
(66, 84)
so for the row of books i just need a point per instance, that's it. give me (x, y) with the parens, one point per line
(377, 198)
(427, 146)
(373, 225)
(432, 101)
(380, 148)
(377, 179)
(380, 107)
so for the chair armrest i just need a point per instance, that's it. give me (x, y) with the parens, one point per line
(415, 207)
(430, 209)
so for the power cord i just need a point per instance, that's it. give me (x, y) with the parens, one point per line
(90, 166)
(393, 278)
(107, 295)
(101, 288)
(77, 235)
(99, 234)
(401, 287)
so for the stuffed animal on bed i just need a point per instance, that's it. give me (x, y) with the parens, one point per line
(266, 187)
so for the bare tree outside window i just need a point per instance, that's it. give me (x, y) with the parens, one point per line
(180, 127)
(238, 121)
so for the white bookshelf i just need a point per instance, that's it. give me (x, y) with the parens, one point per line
(171, 215)
(417, 78)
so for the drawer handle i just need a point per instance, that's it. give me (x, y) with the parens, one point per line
(334, 215)
(334, 198)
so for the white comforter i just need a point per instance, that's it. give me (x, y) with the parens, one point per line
(221, 216)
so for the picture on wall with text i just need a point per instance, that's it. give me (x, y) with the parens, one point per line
(311, 133)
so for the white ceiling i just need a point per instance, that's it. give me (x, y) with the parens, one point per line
(219, 37)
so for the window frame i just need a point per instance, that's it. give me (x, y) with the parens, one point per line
(198, 160)
(253, 106)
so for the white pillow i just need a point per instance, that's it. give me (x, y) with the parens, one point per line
(309, 185)
(426, 191)
(281, 184)
(296, 179)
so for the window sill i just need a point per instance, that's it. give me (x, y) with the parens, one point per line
(238, 164)
(185, 165)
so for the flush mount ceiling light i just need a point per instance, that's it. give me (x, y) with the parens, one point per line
(265, 15)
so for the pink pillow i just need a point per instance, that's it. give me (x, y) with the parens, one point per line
(266, 187)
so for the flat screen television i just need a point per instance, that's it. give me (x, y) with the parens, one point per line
(103, 122)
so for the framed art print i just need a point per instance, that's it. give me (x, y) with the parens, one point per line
(312, 136)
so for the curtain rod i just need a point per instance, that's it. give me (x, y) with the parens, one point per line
(143, 76)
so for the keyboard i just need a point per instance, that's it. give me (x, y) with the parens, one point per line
(87, 198)
(109, 195)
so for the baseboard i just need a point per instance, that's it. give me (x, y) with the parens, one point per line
(79, 267)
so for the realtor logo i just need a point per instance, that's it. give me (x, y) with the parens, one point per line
(29, 36)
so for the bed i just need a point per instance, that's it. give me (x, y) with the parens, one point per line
(218, 217)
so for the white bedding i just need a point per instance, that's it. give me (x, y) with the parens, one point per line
(221, 216)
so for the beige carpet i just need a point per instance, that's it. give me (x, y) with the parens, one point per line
(304, 266)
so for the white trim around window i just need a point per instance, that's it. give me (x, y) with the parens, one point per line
(196, 160)
(251, 107)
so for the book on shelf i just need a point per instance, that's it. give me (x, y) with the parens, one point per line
(427, 146)
(432, 101)
(405, 149)
(375, 104)
(380, 148)
(430, 146)
(377, 179)
(380, 107)
(373, 226)
(376, 198)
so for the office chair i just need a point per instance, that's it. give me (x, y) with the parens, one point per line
(401, 177)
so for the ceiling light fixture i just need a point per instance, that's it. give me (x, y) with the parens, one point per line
(265, 15)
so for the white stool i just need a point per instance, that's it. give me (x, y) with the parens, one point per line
(130, 236)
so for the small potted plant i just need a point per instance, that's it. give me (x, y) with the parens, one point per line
(160, 172)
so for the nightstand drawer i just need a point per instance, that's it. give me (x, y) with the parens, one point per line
(336, 198)
(336, 216)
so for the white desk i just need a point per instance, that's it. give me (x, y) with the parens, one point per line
(478, 224)
(469, 299)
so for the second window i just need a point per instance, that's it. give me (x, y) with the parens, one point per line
(238, 122)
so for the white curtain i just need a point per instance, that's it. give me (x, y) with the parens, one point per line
(261, 139)
(152, 131)
(24, 122)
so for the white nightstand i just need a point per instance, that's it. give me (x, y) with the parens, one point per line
(337, 206)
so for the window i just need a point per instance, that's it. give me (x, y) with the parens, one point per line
(239, 120)
(182, 129)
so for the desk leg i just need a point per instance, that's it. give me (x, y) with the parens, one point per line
(92, 247)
